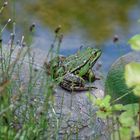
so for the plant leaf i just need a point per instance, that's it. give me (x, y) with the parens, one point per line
(133, 109)
(136, 90)
(125, 133)
(136, 131)
(118, 107)
(126, 119)
(132, 76)
(135, 42)
(106, 101)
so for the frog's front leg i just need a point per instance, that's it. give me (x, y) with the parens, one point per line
(73, 82)
(90, 76)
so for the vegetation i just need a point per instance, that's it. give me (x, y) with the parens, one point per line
(23, 111)
(123, 121)
(27, 104)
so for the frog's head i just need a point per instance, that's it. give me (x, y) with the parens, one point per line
(95, 54)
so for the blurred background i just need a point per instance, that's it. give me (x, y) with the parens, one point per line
(105, 24)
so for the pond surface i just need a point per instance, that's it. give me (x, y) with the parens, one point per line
(84, 22)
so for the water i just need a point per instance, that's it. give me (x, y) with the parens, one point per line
(87, 23)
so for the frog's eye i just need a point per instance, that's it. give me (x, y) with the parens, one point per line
(95, 53)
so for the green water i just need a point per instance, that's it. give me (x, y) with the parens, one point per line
(98, 19)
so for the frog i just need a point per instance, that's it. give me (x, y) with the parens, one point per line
(73, 71)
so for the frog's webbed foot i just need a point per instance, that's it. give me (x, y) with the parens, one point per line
(73, 82)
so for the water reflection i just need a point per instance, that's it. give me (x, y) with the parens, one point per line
(99, 19)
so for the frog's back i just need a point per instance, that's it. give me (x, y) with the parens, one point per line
(79, 59)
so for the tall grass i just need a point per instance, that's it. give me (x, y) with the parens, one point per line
(26, 94)
(27, 102)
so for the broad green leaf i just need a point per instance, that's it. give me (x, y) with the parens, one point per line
(134, 106)
(130, 113)
(125, 133)
(99, 101)
(106, 101)
(132, 109)
(135, 42)
(136, 131)
(126, 119)
(136, 90)
(118, 107)
(132, 76)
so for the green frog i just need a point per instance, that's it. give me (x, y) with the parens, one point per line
(74, 70)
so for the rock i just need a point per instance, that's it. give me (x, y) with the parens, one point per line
(77, 116)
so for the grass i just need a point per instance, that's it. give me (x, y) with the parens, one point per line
(27, 99)
(26, 94)
(24, 110)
